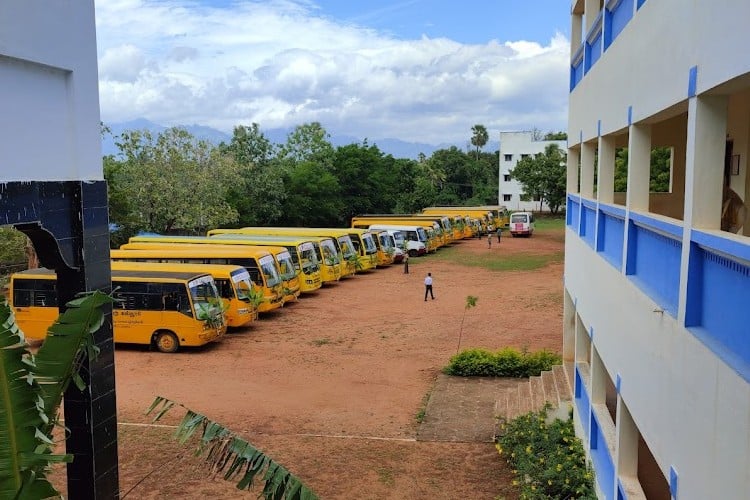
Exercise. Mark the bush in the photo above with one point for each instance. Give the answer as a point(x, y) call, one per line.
point(547, 459)
point(506, 362)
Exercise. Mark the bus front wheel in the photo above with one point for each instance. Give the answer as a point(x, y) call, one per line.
point(413, 253)
point(166, 341)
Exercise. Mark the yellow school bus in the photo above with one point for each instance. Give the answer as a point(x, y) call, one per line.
point(289, 276)
point(316, 252)
point(386, 249)
point(167, 310)
point(233, 283)
point(357, 249)
point(261, 265)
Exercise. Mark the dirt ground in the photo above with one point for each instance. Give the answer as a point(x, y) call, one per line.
point(331, 386)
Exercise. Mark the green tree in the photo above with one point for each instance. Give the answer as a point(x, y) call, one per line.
point(543, 176)
point(172, 182)
point(660, 174)
point(260, 194)
point(308, 142)
point(479, 137)
point(314, 197)
point(556, 136)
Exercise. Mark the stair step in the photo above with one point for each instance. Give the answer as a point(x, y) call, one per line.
point(550, 389)
point(561, 382)
point(525, 404)
point(537, 393)
point(512, 396)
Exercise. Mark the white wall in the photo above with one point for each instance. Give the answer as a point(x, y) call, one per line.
point(647, 65)
point(516, 144)
point(49, 103)
point(691, 408)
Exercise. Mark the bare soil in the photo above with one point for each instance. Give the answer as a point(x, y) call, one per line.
point(331, 386)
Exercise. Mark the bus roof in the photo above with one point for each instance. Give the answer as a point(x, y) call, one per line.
point(188, 250)
point(213, 269)
point(164, 276)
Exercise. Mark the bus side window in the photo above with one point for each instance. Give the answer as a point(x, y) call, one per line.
point(22, 298)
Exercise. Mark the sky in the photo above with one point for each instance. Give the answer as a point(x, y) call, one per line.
point(416, 70)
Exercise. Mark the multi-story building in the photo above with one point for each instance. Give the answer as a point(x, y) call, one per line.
point(515, 146)
point(657, 285)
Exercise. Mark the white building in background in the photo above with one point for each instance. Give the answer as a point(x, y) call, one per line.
point(657, 317)
point(513, 147)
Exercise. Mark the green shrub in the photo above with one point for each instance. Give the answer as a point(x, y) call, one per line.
point(506, 362)
point(547, 458)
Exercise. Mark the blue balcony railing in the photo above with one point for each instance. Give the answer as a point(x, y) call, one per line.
point(654, 256)
point(611, 234)
point(582, 401)
point(588, 222)
point(572, 212)
point(617, 15)
point(600, 455)
point(593, 49)
point(717, 298)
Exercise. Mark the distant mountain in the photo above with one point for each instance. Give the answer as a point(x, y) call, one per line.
point(395, 147)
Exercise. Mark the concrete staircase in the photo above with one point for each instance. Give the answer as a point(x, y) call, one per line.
point(531, 395)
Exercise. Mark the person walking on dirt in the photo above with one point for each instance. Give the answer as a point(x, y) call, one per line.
point(406, 263)
point(489, 240)
point(428, 287)
point(499, 233)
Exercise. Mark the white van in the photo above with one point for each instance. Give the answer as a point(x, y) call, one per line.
point(521, 224)
point(415, 237)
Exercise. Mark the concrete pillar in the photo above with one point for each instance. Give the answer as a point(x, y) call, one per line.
point(592, 10)
point(574, 158)
point(569, 328)
point(588, 153)
point(639, 167)
point(704, 161)
point(598, 379)
point(626, 442)
point(583, 342)
point(606, 164)
point(576, 31)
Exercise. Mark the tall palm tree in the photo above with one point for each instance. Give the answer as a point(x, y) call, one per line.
point(479, 137)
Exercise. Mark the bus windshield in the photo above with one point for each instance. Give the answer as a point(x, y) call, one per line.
point(422, 234)
point(369, 243)
point(205, 297)
point(398, 237)
point(286, 265)
point(347, 247)
point(268, 268)
point(329, 252)
point(243, 286)
point(307, 256)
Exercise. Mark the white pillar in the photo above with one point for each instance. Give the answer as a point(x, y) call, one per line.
point(574, 157)
point(588, 152)
point(576, 31)
point(639, 167)
point(626, 443)
point(704, 176)
point(704, 161)
point(569, 327)
point(598, 379)
point(606, 177)
point(591, 10)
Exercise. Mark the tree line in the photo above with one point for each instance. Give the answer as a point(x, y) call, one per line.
point(172, 181)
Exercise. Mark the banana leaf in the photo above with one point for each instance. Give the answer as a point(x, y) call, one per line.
point(232, 456)
point(31, 389)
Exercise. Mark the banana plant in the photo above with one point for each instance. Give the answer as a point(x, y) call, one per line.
point(231, 455)
point(31, 389)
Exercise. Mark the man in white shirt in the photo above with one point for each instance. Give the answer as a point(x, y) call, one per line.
point(428, 287)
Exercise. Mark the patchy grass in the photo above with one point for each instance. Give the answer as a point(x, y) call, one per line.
point(385, 475)
point(545, 223)
point(423, 407)
point(499, 261)
point(321, 342)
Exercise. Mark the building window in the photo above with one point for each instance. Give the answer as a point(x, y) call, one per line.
point(523, 157)
point(537, 197)
point(506, 197)
point(508, 157)
point(506, 177)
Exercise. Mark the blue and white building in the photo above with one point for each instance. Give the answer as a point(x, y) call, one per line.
point(515, 146)
point(657, 295)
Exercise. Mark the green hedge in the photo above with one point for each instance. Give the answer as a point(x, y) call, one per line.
point(506, 362)
point(547, 458)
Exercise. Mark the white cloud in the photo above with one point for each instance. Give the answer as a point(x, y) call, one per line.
point(280, 63)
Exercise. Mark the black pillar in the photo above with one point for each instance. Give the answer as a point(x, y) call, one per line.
point(68, 224)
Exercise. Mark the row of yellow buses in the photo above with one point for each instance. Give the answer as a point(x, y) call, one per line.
point(175, 291)
point(490, 217)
